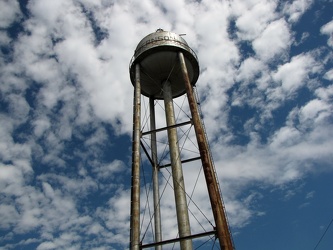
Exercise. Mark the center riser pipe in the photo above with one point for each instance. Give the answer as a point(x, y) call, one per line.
point(156, 192)
point(177, 171)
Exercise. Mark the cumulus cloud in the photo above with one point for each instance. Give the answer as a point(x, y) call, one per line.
point(292, 75)
point(295, 9)
point(327, 29)
point(273, 41)
point(10, 13)
point(249, 69)
point(252, 17)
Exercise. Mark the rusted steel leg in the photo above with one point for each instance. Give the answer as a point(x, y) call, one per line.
point(135, 185)
point(222, 228)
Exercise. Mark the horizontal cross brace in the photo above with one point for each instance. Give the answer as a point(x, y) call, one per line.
point(183, 161)
point(165, 128)
point(164, 242)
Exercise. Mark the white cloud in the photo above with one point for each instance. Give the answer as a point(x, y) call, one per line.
point(274, 41)
point(253, 17)
point(327, 29)
point(10, 12)
point(109, 171)
point(60, 17)
point(310, 195)
point(313, 109)
point(40, 126)
point(14, 152)
point(116, 218)
point(249, 69)
point(295, 74)
point(4, 39)
point(286, 137)
point(47, 245)
point(305, 36)
point(290, 152)
point(325, 93)
point(284, 159)
point(8, 215)
point(11, 176)
point(18, 107)
point(295, 9)
point(329, 75)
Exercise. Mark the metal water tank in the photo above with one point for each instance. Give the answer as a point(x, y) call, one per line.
point(157, 54)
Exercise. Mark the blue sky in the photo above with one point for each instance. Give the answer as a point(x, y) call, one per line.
point(265, 85)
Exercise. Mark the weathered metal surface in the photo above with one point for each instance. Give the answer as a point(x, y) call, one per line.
point(165, 128)
point(222, 228)
point(157, 55)
point(164, 67)
point(183, 161)
point(156, 192)
point(158, 38)
point(177, 171)
point(135, 183)
point(193, 236)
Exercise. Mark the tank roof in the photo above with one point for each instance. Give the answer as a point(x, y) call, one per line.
point(157, 54)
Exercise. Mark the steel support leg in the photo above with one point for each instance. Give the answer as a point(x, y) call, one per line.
point(222, 228)
point(135, 184)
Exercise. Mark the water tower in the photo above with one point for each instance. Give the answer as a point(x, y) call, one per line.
point(165, 67)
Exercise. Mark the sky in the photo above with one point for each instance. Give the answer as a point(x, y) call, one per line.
point(266, 96)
